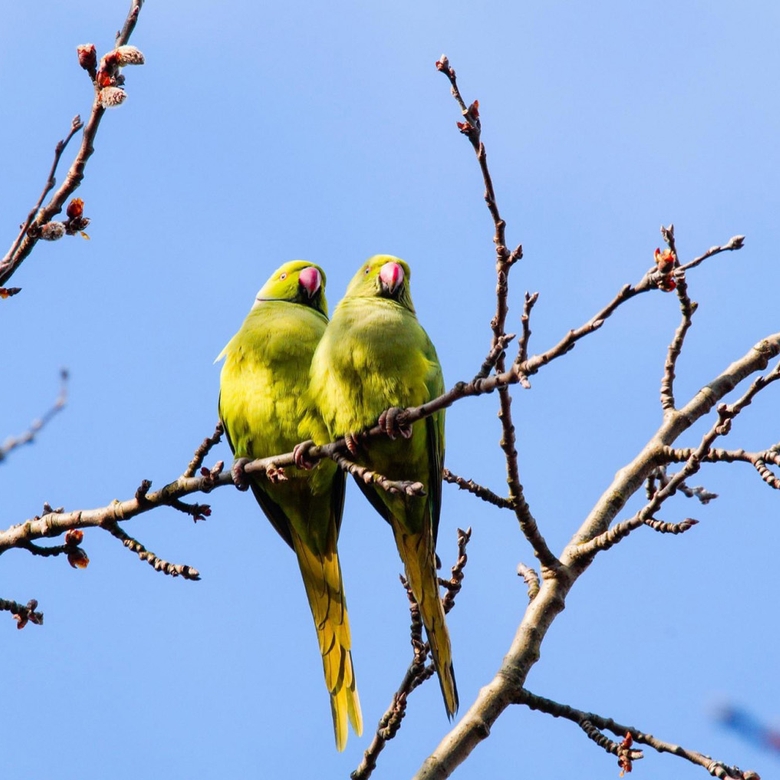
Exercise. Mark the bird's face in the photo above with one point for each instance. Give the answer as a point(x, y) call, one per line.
point(382, 276)
point(296, 282)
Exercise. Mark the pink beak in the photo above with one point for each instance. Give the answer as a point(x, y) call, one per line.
point(391, 275)
point(310, 279)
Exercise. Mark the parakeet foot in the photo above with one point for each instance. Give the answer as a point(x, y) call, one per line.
point(300, 453)
point(238, 474)
point(351, 440)
point(388, 421)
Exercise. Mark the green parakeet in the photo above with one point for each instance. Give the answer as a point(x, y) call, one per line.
point(375, 355)
point(263, 407)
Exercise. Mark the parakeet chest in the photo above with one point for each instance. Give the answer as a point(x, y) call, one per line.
point(265, 372)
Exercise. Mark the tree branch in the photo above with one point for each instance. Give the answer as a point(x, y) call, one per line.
point(588, 719)
point(36, 425)
point(524, 651)
point(31, 230)
point(478, 490)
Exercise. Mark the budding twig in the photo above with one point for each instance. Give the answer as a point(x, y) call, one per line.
point(478, 490)
point(157, 563)
point(33, 229)
point(23, 614)
point(593, 725)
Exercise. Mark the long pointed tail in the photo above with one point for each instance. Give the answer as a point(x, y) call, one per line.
point(419, 559)
point(325, 591)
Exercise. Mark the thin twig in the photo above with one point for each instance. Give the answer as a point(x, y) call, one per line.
point(737, 242)
point(584, 719)
point(370, 477)
point(23, 613)
point(29, 435)
point(497, 351)
point(472, 129)
point(478, 490)
point(21, 249)
point(203, 450)
point(528, 304)
point(531, 579)
point(157, 563)
point(75, 125)
point(687, 308)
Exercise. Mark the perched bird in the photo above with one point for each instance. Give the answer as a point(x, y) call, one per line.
point(375, 355)
point(263, 407)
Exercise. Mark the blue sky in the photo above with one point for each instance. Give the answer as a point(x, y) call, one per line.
point(257, 134)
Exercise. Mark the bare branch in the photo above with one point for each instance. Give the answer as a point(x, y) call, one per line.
point(203, 450)
point(588, 720)
point(472, 129)
point(31, 233)
point(453, 584)
point(522, 351)
point(29, 435)
point(687, 307)
point(737, 242)
point(497, 351)
point(645, 516)
point(369, 477)
point(494, 697)
point(172, 569)
point(75, 125)
point(531, 579)
point(23, 614)
point(478, 490)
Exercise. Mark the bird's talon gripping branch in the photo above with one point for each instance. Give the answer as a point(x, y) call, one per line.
point(238, 474)
point(388, 421)
point(275, 474)
point(351, 440)
point(300, 454)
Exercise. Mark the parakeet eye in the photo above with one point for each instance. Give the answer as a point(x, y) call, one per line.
point(283, 276)
point(368, 268)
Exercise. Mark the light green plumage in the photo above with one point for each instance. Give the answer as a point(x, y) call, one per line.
point(264, 409)
point(375, 355)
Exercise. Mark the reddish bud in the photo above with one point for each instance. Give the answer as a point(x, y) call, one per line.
point(77, 558)
point(77, 225)
point(110, 60)
point(74, 537)
point(7, 292)
point(664, 260)
point(87, 57)
point(75, 208)
point(474, 109)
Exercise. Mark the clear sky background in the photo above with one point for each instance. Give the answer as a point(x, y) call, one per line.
point(258, 133)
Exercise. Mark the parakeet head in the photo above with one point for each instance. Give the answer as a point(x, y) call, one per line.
point(382, 276)
point(296, 282)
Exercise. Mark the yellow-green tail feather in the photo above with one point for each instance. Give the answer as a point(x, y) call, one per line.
point(419, 559)
point(325, 591)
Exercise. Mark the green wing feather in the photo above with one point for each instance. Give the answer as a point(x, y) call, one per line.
point(265, 409)
point(375, 355)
